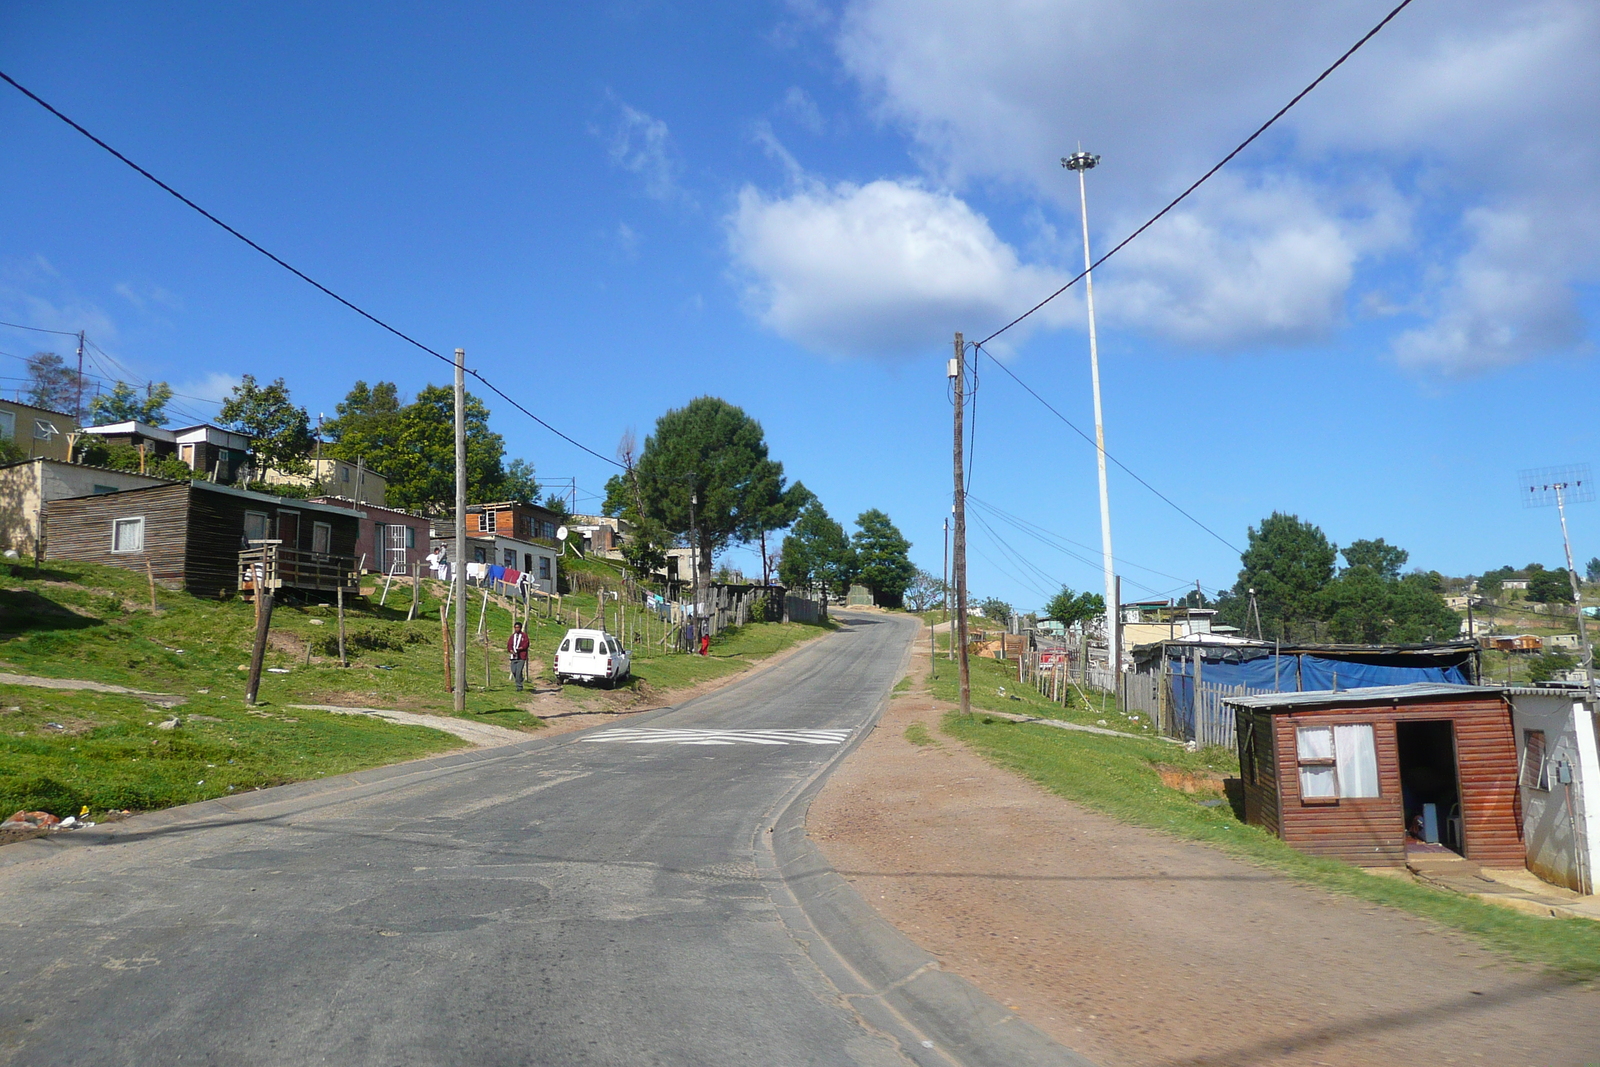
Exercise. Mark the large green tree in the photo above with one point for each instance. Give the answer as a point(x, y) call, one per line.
point(279, 429)
point(1379, 557)
point(1546, 587)
point(367, 424)
point(123, 404)
point(413, 447)
point(1067, 607)
point(420, 466)
point(711, 457)
point(51, 383)
point(883, 557)
point(817, 554)
point(1287, 563)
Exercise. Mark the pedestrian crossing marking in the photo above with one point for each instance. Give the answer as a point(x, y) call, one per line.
point(644, 735)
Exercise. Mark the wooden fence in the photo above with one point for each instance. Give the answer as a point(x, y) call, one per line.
point(275, 567)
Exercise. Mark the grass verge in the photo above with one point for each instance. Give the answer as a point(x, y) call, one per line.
point(1122, 777)
point(95, 623)
point(995, 688)
point(62, 751)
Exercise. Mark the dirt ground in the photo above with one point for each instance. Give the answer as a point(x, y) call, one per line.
point(1135, 948)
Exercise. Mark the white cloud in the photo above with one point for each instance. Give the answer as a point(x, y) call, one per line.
point(1485, 115)
point(883, 269)
point(642, 144)
point(803, 110)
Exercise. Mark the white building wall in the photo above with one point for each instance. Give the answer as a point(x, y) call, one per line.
point(1561, 825)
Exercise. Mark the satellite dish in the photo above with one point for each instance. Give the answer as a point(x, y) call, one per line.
point(561, 533)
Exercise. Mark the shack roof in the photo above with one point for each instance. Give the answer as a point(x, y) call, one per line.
point(1377, 694)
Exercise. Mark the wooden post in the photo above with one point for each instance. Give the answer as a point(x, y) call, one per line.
point(259, 650)
point(485, 662)
point(150, 573)
point(339, 594)
point(416, 590)
point(444, 632)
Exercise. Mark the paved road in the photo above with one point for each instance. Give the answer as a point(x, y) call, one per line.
point(597, 898)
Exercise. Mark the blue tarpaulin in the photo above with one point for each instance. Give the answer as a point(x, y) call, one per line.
point(1263, 671)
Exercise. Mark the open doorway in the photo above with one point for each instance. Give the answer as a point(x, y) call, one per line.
point(1429, 788)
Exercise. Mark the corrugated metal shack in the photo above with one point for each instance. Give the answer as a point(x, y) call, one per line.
point(191, 536)
point(1364, 775)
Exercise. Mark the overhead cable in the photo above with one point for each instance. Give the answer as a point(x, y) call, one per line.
point(1128, 470)
point(1181, 197)
point(302, 275)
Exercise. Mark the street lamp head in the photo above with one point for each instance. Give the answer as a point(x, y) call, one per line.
point(1080, 161)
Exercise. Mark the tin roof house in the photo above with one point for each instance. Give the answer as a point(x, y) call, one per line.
point(204, 538)
point(1373, 775)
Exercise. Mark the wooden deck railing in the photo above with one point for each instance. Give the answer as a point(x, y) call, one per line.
point(271, 566)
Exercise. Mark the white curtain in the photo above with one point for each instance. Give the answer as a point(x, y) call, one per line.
point(1314, 742)
point(1357, 757)
point(1319, 782)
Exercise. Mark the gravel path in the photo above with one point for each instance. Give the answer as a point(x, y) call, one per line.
point(1137, 948)
point(482, 734)
point(164, 699)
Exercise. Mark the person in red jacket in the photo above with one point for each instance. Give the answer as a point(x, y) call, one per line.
point(517, 649)
point(705, 644)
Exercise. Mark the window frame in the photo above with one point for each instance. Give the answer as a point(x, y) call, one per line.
point(116, 526)
point(266, 525)
point(1332, 760)
point(544, 568)
point(324, 530)
point(8, 423)
point(1541, 774)
point(411, 537)
point(48, 428)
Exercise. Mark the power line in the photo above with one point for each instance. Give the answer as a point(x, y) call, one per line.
point(302, 275)
point(1284, 110)
point(35, 329)
point(1049, 537)
point(1126, 469)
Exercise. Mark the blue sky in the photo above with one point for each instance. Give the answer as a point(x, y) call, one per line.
point(1375, 318)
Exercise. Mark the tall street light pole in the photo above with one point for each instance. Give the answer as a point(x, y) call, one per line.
point(460, 695)
point(1081, 161)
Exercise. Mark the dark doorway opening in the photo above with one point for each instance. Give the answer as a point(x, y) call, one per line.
point(1429, 788)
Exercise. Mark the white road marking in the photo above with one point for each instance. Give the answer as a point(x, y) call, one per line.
point(649, 736)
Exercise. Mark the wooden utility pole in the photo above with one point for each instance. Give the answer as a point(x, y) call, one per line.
point(77, 411)
point(461, 532)
point(259, 650)
point(958, 375)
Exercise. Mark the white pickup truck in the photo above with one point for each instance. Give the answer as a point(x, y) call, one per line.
point(592, 655)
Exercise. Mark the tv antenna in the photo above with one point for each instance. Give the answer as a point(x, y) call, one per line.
point(1561, 486)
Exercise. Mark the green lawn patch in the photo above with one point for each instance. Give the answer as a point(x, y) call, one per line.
point(91, 622)
point(1122, 777)
point(917, 733)
point(995, 688)
point(63, 750)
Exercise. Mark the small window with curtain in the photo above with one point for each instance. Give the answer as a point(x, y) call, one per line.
point(411, 537)
point(544, 568)
point(1336, 762)
point(127, 535)
point(1534, 774)
point(509, 558)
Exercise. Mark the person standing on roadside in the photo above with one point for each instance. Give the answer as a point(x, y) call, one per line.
point(517, 648)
